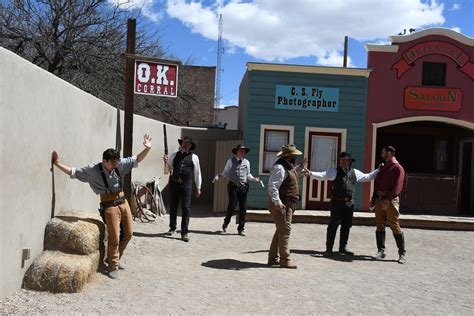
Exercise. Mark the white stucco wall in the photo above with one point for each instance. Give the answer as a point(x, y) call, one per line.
point(40, 113)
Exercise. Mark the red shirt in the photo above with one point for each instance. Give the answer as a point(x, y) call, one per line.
point(390, 179)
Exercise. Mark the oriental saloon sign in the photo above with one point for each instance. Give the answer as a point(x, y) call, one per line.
point(434, 48)
point(157, 79)
point(307, 98)
point(433, 99)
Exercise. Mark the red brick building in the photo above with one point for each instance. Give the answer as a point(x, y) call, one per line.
point(421, 101)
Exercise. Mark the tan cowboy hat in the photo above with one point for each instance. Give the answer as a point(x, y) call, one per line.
point(289, 150)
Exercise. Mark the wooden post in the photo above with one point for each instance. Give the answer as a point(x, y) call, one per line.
point(128, 122)
point(346, 44)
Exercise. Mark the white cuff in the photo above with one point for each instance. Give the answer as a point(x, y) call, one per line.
point(73, 173)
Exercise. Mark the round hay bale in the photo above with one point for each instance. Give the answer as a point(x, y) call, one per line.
point(73, 233)
point(55, 271)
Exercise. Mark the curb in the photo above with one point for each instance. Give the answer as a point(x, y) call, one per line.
point(367, 219)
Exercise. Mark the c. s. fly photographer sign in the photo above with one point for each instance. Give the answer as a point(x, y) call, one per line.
point(306, 98)
point(158, 79)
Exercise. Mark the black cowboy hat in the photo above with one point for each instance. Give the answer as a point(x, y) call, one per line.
point(187, 140)
point(234, 150)
point(346, 155)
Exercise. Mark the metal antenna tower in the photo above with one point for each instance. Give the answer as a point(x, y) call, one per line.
point(220, 51)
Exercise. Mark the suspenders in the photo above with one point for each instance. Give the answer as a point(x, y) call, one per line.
point(104, 178)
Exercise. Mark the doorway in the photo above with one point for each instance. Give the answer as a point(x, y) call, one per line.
point(323, 148)
point(431, 153)
point(466, 197)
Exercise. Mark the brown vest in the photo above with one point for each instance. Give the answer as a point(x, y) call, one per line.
point(289, 190)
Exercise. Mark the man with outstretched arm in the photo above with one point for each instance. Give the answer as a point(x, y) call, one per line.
point(106, 179)
point(283, 191)
point(237, 170)
point(388, 187)
point(184, 167)
point(344, 180)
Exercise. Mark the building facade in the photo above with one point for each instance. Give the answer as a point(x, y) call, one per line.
point(319, 109)
point(421, 101)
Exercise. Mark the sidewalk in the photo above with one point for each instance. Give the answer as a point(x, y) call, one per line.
point(368, 219)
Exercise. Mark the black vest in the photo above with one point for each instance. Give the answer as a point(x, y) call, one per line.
point(344, 184)
point(183, 166)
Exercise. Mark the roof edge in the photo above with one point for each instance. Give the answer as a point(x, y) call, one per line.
point(360, 72)
point(433, 31)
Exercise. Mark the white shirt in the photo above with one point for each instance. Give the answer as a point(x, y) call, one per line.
point(197, 168)
point(331, 174)
point(278, 174)
point(228, 166)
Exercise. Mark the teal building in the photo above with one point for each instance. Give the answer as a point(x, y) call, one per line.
point(322, 110)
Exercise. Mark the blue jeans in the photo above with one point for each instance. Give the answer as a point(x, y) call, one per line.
point(180, 192)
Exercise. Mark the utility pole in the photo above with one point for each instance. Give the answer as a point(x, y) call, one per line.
point(129, 96)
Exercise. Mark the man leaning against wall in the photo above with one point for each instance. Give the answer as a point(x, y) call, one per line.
point(106, 179)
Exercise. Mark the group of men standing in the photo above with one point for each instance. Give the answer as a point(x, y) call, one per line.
point(105, 179)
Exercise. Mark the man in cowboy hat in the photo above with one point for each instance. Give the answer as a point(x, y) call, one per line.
point(184, 166)
point(344, 180)
point(388, 186)
point(237, 169)
point(283, 193)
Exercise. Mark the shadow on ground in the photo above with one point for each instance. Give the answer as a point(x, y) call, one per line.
point(157, 235)
point(336, 255)
point(231, 264)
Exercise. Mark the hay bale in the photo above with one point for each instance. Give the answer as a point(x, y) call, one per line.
point(75, 232)
point(56, 271)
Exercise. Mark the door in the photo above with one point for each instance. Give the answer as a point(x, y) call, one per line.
point(323, 150)
point(467, 177)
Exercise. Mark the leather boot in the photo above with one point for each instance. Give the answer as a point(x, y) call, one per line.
point(380, 237)
point(400, 240)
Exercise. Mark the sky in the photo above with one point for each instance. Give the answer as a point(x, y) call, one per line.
point(305, 32)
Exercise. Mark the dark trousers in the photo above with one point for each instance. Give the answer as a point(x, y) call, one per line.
point(180, 192)
point(341, 214)
point(236, 194)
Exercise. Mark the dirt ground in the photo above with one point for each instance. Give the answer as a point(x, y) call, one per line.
point(226, 274)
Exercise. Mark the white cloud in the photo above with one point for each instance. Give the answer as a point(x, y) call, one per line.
point(230, 48)
point(145, 6)
point(456, 29)
point(334, 58)
point(455, 7)
point(281, 29)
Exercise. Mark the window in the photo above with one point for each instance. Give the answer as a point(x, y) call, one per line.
point(434, 74)
point(323, 152)
point(272, 138)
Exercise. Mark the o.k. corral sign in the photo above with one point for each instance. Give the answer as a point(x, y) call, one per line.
point(155, 78)
point(306, 98)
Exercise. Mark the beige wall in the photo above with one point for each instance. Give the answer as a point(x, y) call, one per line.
point(228, 115)
point(38, 113)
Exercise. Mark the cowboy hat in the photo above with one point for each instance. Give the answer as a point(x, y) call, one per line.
point(347, 156)
point(187, 140)
point(234, 150)
point(289, 150)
